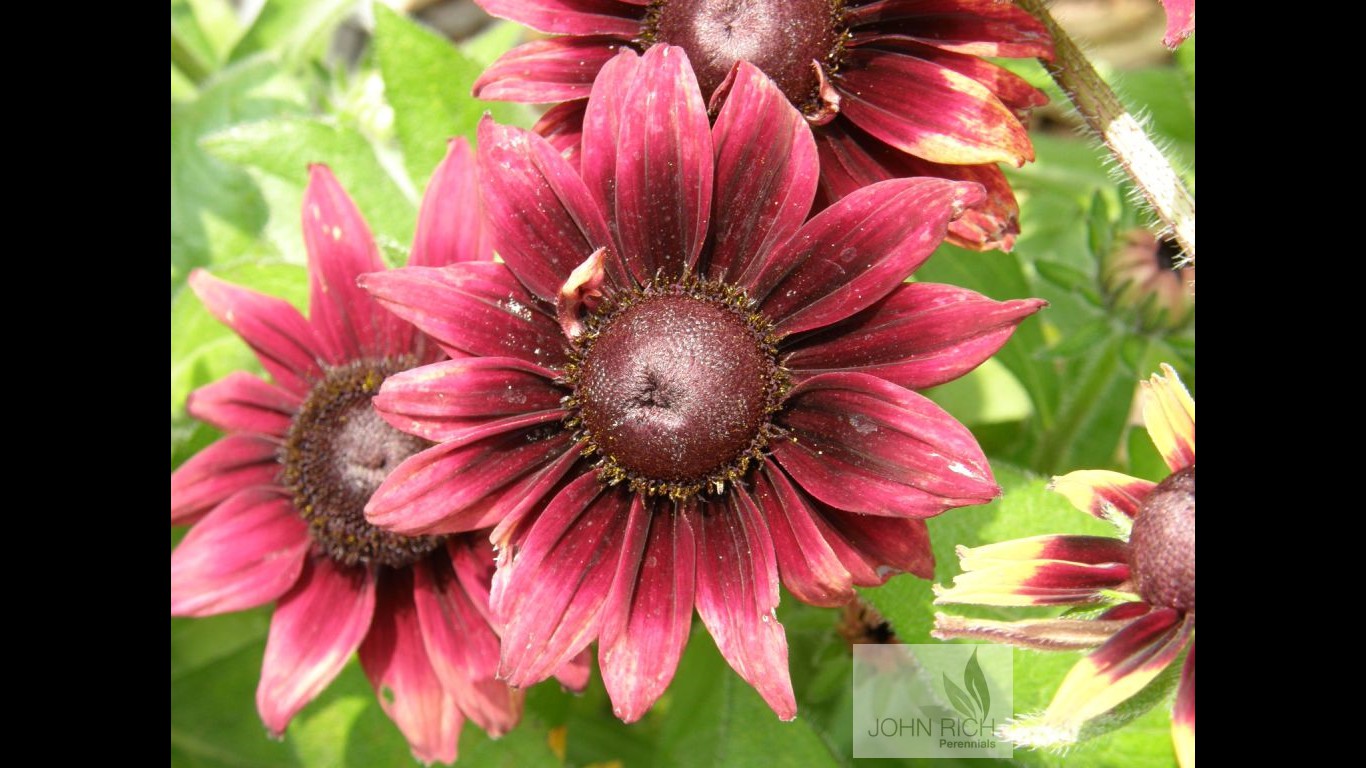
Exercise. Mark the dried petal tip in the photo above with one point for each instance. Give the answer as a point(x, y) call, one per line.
point(580, 293)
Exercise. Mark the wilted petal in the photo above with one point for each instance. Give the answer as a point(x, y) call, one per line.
point(809, 568)
point(1119, 669)
point(862, 444)
point(922, 335)
point(394, 657)
point(442, 401)
point(447, 488)
point(246, 552)
point(851, 160)
point(1183, 714)
point(1034, 634)
point(571, 17)
point(461, 645)
point(929, 110)
point(281, 338)
point(662, 166)
point(737, 594)
point(856, 251)
point(450, 226)
point(340, 249)
point(316, 627)
point(241, 402)
point(975, 27)
point(232, 464)
point(649, 608)
point(543, 219)
point(766, 173)
point(1107, 495)
point(558, 579)
point(474, 308)
point(546, 71)
point(1169, 413)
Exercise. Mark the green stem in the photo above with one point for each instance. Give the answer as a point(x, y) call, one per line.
point(1102, 110)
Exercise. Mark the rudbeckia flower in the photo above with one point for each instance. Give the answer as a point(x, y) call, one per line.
point(1145, 582)
point(277, 504)
point(673, 391)
point(892, 88)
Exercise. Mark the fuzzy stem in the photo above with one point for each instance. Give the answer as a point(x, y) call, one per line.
point(1164, 190)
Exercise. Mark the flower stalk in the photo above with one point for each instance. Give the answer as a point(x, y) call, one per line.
point(1121, 131)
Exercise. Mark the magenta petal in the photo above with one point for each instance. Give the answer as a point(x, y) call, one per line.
point(234, 463)
point(810, 569)
point(1180, 25)
point(241, 402)
point(973, 27)
point(571, 17)
point(283, 340)
point(546, 71)
point(394, 657)
point(316, 627)
point(851, 160)
point(543, 219)
point(562, 126)
point(663, 167)
point(1013, 91)
point(474, 308)
point(599, 130)
point(446, 488)
point(929, 110)
point(862, 444)
point(764, 154)
point(246, 552)
point(875, 548)
point(557, 580)
point(340, 249)
point(574, 674)
point(439, 402)
point(649, 608)
point(737, 594)
point(450, 227)
point(856, 251)
point(922, 335)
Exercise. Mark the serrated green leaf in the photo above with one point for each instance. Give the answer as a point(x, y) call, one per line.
point(976, 682)
point(427, 81)
point(285, 148)
point(297, 29)
point(216, 210)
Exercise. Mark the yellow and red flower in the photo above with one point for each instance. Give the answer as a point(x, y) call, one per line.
point(1145, 581)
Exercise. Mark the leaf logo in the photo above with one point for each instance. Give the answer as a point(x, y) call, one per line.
point(974, 702)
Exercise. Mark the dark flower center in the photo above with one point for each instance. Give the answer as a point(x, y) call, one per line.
point(337, 453)
point(780, 37)
point(1163, 543)
point(674, 385)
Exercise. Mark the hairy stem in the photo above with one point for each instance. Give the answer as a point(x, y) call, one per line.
point(1164, 190)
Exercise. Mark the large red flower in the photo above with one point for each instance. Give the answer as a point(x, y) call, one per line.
point(893, 88)
point(277, 504)
point(674, 391)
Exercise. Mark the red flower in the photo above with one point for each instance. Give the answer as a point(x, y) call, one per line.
point(277, 504)
point(893, 88)
point(673, 391)
point(1146, 584)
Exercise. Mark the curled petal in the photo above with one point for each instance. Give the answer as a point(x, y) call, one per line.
point(921, 336)
point(1169, 413)
point(316, 627)
point(247, 552)
point(1034, 634)
point(862, 444)
point(450, 226)
point(394, 657)
point(737, 594)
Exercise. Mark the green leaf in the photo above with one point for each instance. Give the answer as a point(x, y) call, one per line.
point(217, 212)
point(990, 394)
point(297, 29)
point(190, 48)
point(285, 148)
point(495, 40)
point(427, 81)
point(959, 699)
point(976, 682)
